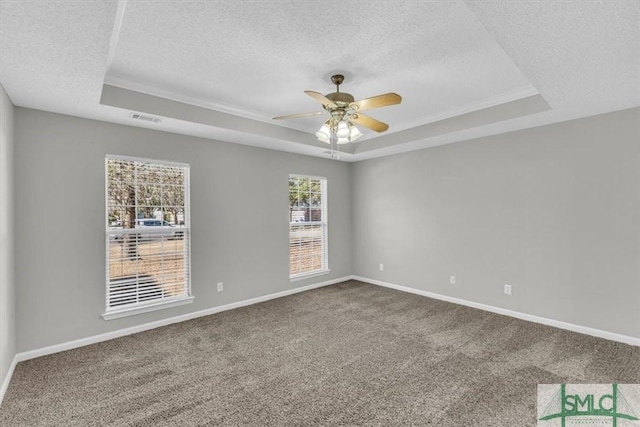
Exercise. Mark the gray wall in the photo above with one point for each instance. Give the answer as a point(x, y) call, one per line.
point(7, 284)
point(553, 211)
point(239, 216)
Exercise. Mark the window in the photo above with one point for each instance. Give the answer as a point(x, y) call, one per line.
point(147, 235)
point(307, 226)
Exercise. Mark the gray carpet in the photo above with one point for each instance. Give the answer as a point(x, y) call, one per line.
point(348, 354)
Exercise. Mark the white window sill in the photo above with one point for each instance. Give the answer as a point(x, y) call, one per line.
point(132, 311)
point(309, 275)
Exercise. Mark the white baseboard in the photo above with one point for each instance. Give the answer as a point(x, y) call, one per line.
point(32, 354)
point(7, 378)
point(529, 317)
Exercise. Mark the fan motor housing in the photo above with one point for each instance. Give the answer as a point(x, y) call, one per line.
point(336, 97)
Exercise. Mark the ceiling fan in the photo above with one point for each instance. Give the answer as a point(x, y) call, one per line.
point(345, 112)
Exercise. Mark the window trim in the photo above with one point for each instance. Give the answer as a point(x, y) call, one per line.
point(308, 275)
point(324, 182)
point(146, 307)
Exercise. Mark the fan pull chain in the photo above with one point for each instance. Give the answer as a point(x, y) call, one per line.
point(333, 139)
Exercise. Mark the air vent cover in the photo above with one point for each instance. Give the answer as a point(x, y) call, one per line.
point(145, 117)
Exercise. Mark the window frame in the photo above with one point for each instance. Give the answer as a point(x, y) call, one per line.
point(151, 305)
point(324, 223)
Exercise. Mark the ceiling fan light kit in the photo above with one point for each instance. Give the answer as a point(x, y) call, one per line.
point(344, 134)
point(341, 127)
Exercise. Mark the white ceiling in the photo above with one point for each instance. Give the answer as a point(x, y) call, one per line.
point(222, 69)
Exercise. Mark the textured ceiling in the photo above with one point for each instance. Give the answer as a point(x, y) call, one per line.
point(257, 60)
point(222, 69)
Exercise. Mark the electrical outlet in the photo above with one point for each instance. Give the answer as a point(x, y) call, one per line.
point(507, 289)
point(220, 287)
point(452, 280)
point(381, 267)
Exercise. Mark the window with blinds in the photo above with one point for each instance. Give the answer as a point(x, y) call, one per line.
point(147, 234)
point(307, 226)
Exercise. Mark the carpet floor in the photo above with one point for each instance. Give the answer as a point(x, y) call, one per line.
point(347, 354)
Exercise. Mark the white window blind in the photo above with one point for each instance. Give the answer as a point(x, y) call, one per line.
point(147, 233)
point(307, 226)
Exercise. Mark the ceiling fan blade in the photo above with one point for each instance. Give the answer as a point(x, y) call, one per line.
point(369, 122)
point(321, 98)
point(376, 102)
point(295, 116)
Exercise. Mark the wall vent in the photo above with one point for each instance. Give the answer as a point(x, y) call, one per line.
point(144, 117)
